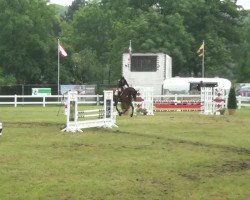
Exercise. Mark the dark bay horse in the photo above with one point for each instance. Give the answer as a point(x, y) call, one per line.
point(127, 97)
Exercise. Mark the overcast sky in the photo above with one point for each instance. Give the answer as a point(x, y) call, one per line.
point(244, 3)
point(62, 2)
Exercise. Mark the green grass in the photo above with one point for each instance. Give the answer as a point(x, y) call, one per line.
point(167, 156)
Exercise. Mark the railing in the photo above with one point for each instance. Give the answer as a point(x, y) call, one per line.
point(16, 100)
point(46, 100)
point(176, 97)
point(243, 101)
point(179, 98)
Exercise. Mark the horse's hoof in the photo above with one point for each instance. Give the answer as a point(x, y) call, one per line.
point(120, 114)
point(131, 115)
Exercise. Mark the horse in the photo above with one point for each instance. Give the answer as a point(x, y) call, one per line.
point(126, 98)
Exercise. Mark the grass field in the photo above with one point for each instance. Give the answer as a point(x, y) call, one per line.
point(167, 156)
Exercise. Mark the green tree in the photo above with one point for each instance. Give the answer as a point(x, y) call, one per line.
point(177, 27)
point(6, 79)
point(150, 31)
point(73, 8)
point(87, 69)
point(27, 42)
point(219, 24)
point(102, 30)
point(232, 100)
point(92, 29)
point(243, 54)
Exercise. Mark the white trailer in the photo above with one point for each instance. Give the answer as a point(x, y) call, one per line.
point(182, 85)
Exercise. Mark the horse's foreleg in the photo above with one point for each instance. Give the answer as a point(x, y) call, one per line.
point(116, 107)
point(119, 112)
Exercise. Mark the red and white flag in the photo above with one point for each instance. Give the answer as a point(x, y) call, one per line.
point(62, 51)
point(129, 51)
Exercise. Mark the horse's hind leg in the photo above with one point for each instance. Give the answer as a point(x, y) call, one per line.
point(125, 111)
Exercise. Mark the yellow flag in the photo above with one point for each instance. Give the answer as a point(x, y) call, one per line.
point(201, 50)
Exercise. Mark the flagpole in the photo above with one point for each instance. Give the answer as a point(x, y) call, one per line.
point(58, 67)
point(203, 60)
point(130, 47)
point(130, 53)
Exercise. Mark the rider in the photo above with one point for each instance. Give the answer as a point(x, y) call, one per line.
point(121, 85)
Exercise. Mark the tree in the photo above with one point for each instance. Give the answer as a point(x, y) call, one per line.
point(6, 79)
point(86, 67)
point(219, 24)
point(92, 30)
point(102, 30)
point(27, 42)
point(177, 27)
point(243, 54)
point(73, 8)
point(232, 101)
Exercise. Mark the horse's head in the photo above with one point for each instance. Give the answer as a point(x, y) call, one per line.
point(134, 94)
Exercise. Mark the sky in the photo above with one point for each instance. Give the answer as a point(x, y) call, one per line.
point(244, 3)
point(64, 2)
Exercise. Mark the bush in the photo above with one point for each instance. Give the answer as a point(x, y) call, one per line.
point(232, 101)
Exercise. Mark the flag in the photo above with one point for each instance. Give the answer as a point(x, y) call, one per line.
point(62, 51)
point(201, 50)
point(129, 51)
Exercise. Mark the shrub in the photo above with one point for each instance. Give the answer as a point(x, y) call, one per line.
point(232, 101)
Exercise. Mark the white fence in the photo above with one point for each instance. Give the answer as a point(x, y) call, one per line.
point(47, 100)
point(16, 100)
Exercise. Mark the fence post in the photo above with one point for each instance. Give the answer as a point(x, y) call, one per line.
point(15, 100)
point(97, 100)
point(44, 101)
point(239, 101)
point(175, 99)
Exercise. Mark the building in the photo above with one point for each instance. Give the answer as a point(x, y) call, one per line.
point(147, 70)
